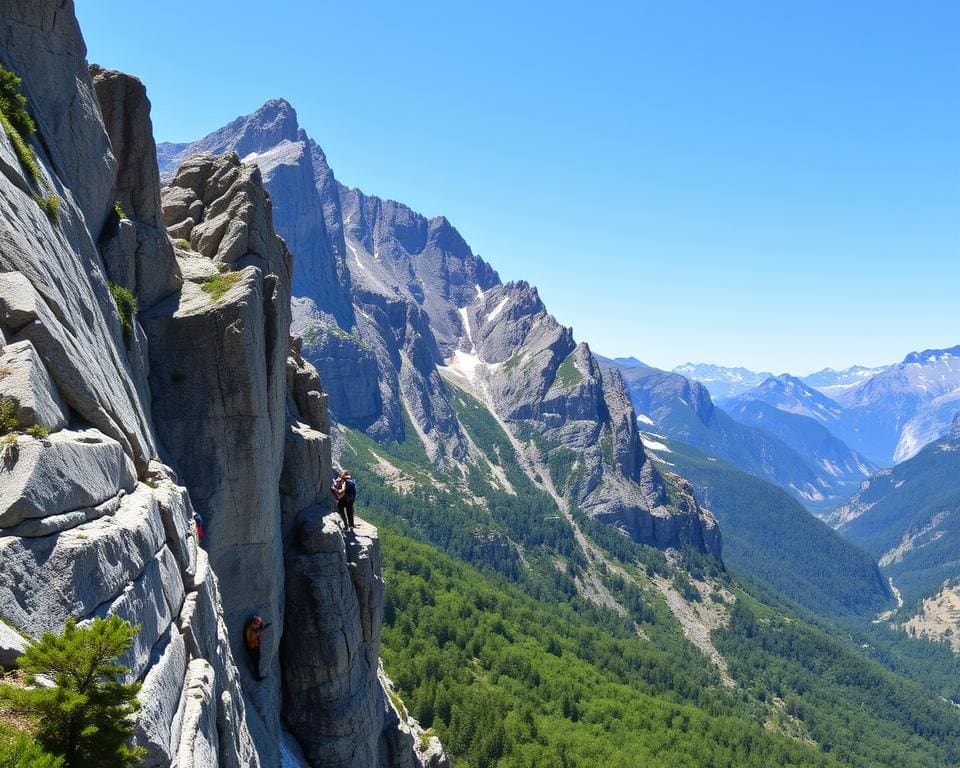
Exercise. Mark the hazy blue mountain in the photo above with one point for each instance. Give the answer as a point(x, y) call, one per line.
point(832, 383)
point(630, 362)
point(808, 437)
point(894, 414)
point(816, 470)
point(789, 394)
point(722, 381)
point(886, 414)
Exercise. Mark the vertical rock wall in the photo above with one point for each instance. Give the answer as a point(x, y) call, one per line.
point(198, 401)
point(90, 522)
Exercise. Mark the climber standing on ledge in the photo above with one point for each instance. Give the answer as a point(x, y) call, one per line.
point(345, 489)
point(251, 638)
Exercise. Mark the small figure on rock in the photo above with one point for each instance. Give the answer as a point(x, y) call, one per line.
point(345, 489)
point(252, 634)
point(198, 522)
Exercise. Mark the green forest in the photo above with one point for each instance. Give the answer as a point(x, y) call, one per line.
point(492, 647)
point(506, 680)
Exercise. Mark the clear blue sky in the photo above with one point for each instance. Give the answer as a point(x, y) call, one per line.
point(769, 184)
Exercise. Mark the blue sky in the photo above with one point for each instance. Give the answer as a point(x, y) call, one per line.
point(775, 185)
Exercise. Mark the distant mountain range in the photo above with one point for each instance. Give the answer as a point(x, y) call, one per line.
point(721, 381)
point(833, 383)
point(887, 413)
point(789, 394)
point(791, 450)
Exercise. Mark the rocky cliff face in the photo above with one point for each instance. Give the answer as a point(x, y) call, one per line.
point(200, 401)
point(429, 314)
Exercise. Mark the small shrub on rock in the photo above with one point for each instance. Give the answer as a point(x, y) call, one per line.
point(126, 306)
point(17, 123)
point(50, 205)
point(8, 417)
point(20, 750)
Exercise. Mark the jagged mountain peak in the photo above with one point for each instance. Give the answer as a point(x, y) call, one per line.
point(273, 122)
point(932, 356)
point(954, 432)
point(788, 384)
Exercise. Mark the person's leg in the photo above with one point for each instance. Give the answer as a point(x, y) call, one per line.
point(350, 512)
point(255, 662)
point(341, 510)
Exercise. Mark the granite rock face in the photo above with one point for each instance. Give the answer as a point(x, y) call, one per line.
point(24, 382)
point(41, 42)
point(203, 403)
point(250, 428)
point(218, 376)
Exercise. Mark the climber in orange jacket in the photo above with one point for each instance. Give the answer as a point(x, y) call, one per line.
point(251, 637)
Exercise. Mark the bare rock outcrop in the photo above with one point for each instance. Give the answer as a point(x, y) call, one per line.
point(343, 716)
point(144, 263)
point(200, 402)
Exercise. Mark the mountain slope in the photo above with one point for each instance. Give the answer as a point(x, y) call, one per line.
point(772, 538)
point(819, 447)
point(909, 518)
point(506, 680)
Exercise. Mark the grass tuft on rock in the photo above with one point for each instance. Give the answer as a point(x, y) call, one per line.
point(218, 285)
point(126, 306)
point(17, 123)
point(50, 205)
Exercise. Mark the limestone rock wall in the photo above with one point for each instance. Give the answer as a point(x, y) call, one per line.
point(91, 522)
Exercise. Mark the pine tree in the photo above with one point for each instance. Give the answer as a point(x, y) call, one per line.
point(86, 715)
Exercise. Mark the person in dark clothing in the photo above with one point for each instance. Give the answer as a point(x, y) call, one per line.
point(252, 635)
point(345, 489)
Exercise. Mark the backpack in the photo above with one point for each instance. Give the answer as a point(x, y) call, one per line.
point(350, 488)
